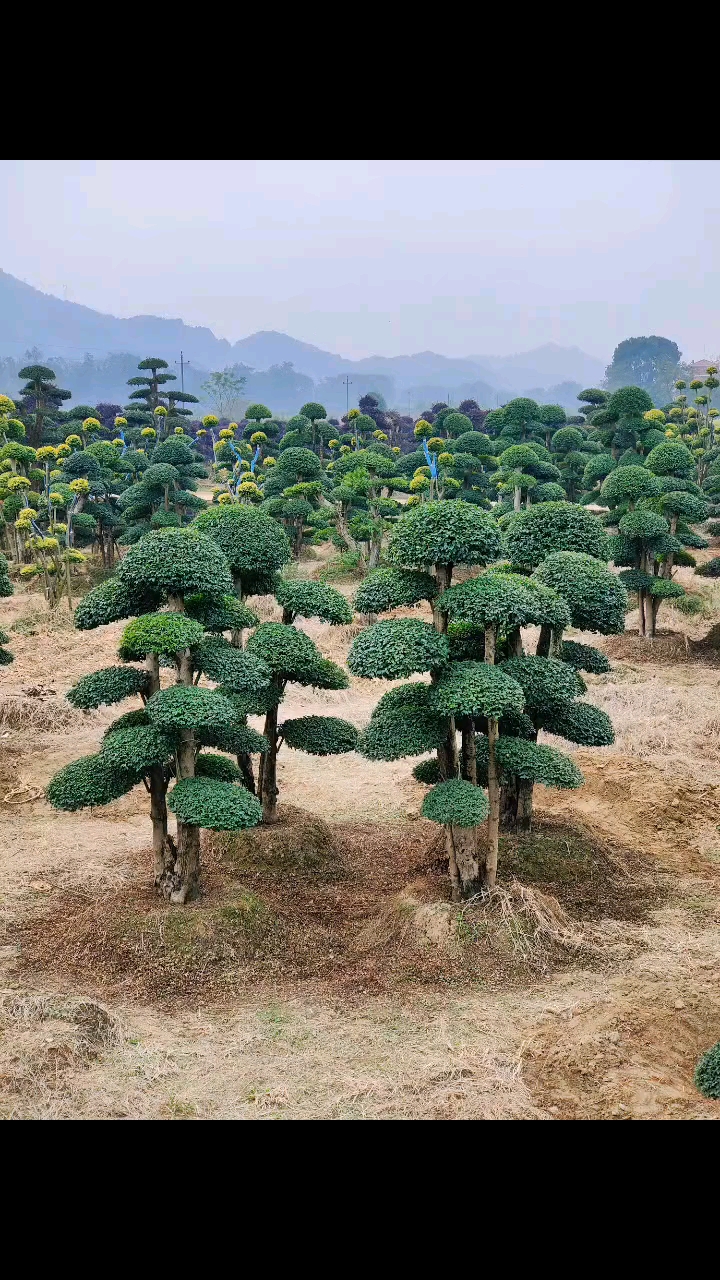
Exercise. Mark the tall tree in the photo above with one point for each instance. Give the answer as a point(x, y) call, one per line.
point(42, 397)
point(652, 363)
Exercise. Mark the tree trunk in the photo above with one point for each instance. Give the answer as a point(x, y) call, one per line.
point(509, 804)
point(544, 642)
point(180, 880)
point(526, 789)
point(670, 560)
point(443, 577)
point(465, 847)
point(452, 865)
point(491, 858)
point(245, 766)
point(517, 499)
point(269, 790)
point(469, 759)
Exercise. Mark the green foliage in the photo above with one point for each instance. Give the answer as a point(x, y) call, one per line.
point(545, 527)
point(215, 805)
point(631, 401)
point(670, 459)
point(665, 588)
point(107, 686)
point(393, 649)
point(111, 601)
point(504, 601)
point(475, 689)
point(711, 568)
point(643, 525)
point(388, 588)
point(258, 412)
point(6, 586)
point(210, 765)
point(628, 484)
point(537, 763)
point(707, 1073)
point(546, 682)
point(428, 771)
point(92, 780)
point(236, 669)
point(176, 562)
point(444, 533)
point(466, 641)
point(254, 544)
point(402, 724)
point(236, 737)
point(313, 600)
point(289, 653)
point(596, 598)
point(129, 721)
point(320, 735)
point(163, 633)
point(224, 614)
point(579, 722)
point(455, 803)
point(456, 425)
point(583, 657)
point(135, 750)
point(180, 707)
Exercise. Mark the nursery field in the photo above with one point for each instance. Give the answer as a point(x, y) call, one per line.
point(324, 972)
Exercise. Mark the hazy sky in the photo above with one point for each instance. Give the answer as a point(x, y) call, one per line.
point(380, 256)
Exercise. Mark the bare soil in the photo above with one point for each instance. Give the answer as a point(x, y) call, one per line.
point(343, 984)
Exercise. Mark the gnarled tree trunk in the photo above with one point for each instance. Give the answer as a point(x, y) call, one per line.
point(268, 768)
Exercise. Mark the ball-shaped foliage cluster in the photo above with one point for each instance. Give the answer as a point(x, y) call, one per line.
point(546, 682)
point(475, 689)
point(236, 737)
point(665, 589)
point(180, 707)
point(711, 568)
point(402, 724)
point(136, 750)
point(633, 401)
point(456, 424)
point(444, 533)
point(537, 763)
point(211, 765)
point(533, 534)
point(579, 722)
point(218, 806)
point(596, 598)
point(226, 613)
point(314, 600)
point(320, 735)
point(455, 803)
point(252, 542)
point(428, 772)
point(583, 657)
point(160, 475)
point(289, 653)
point(628, 484)
point(111, 601)
point(504, 601)
point(388, 588)
point(707, 1073)
point(165, 634)
point(92, 780)
point(130, 720)
point(670, 459)
point(643, 526)
point(234, 668)
point(393, 649)
point(107, 686)
point(176, 562)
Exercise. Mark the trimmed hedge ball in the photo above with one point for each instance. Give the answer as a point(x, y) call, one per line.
point(428, 772)
point(320, 735)
point(314, 600)
point(475, 689)
point(104, 687)
point(393, 649)
point(130, 720)
point(234, 668)
point(387, 588)
point(111, 601)
point(237, 739)
point(546, 682)
point(579, 722)
point(162, 633)
point(180, 707)
point(554, 526)
point(137, 749)
point(596, 598)
point(176, 562)
point(252, 541)
point(226, 614)
point(402, 724)
point(210, 765)
point(215, 805)
point(455, 803)
point(444, 533)
point(584, 657)
point(537, 763)
point(92, 780)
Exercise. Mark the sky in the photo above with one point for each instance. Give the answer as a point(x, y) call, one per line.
point(380, 257)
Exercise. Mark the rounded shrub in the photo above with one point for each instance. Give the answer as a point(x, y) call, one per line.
point(583, 657)
point(428, 772)
point(92, 780)
point(289, 653)
point(320, 735)
point(180, 707)
point(224, 614)
point(215, 805)
point(135, 750)
point(176, 562)
point(236, 669)
point(389, 588)
point(254, 544)
point(314, 600)
point(546, 682)
point(162, 633)
point(545, 527)
point(455, 803)
point(210, 765)
point(537, 763)
point(508, 600)
point(579, 722)
point(628, 484)
point(403, 724)
point(444, 533)
point(475, 689)
point(109, 685)
point(393, 649)
point(129, 721)
point(596, 598)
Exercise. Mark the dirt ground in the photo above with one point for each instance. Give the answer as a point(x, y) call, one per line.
point(358, 1001)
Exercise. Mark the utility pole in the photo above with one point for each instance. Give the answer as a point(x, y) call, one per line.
point(348, 385)
point(184, 364)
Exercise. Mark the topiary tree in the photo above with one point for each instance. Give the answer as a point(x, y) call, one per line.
point(597, 599)
point(533, 534)
point(254, 545)
point(643, 539)
point(438, 536)
point(291, 656)
point(164, 740)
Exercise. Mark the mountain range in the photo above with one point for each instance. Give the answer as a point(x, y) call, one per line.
point(88, 344)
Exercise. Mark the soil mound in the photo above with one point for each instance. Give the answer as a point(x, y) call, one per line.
point(298, 841)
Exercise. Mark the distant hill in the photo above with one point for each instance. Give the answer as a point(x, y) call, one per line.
point(278, 367)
